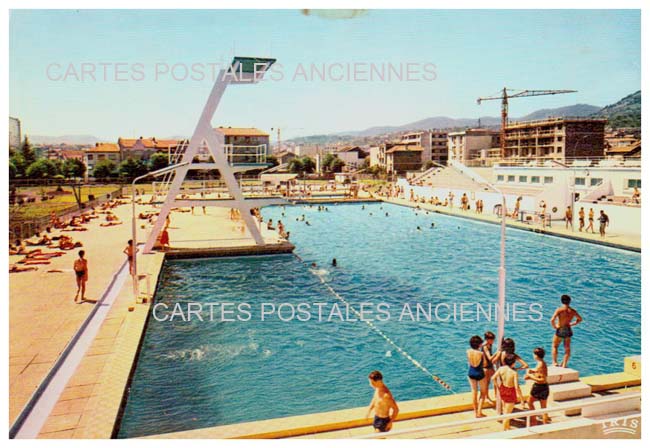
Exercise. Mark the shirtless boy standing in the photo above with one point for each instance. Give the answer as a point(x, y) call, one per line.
point(382, 403)
point(564, 316)
point(540, 390)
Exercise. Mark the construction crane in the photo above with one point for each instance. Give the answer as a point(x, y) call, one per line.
point(505, 95)
point(279, 141)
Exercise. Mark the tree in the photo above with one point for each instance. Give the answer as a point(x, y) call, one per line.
point(12, 170)
point(377, 171)
point(158, 161)
point(104, 169)
point(332, 163)
point(42, 169)
point(308, 165)
point(73, 168)
point(18, 161)
point(131, 168)
point(27, 152)
point(295, 165)
point(336, 165)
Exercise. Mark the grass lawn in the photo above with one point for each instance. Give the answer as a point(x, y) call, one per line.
point(60, 201)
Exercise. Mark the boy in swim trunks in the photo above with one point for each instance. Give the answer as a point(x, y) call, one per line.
point(382, 403)
point(507, 380)
point(80, 267)
point(540, 389)
point(564, 316)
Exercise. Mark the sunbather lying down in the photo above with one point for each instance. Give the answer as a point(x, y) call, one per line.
point(16, 268)
point(110, 223)
point(66, 243)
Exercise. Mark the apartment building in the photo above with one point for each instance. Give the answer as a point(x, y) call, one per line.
point(556, 138)
point(463, 146)
point(433, 143)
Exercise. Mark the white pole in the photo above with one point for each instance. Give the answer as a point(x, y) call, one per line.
point(501, 321)
point(134, 246)
point(134, 237)
point(502, 277)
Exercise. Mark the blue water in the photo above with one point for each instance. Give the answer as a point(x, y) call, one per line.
point(204, 373)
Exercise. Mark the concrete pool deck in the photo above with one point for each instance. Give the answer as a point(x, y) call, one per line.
point(43, 318)
point(619, 241)
point(90, 404)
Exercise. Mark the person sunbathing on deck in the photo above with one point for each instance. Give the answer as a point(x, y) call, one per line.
point(16, 268)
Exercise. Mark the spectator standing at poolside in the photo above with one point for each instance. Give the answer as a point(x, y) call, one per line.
point(636, 196)
point(591, 221)
point(464, 201)
point(515, 213)
point(508, 348)
point(164, 238)
point(581, 218)
point(539, 391)
point(382, 403)
point(80, 267)
point(129, 251)
point(604, 222)
point(488, 365)
point(507, 380)
point(568, 217)
point(476, 375)
point(564, 316)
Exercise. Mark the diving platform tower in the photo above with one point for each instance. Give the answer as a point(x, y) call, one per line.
point(243, 70)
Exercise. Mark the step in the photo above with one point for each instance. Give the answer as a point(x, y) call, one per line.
point(631, 404)
point(633, 365)
point(579, 402)
point(557, 375)
point(569, 391)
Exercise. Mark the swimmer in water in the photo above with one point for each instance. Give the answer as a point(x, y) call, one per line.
point(386, 213)
point(433, 224)
point(307, 222)
point(419, 229)
point(334, 262)
point(314, 266)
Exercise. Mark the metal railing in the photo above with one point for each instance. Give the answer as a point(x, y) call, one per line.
point(244, 154)
point(575, 162)
point(27, 228)
point(498, 418)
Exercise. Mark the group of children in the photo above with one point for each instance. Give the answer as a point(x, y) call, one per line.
point(482, 363)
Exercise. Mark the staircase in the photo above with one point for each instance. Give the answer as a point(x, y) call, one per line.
point(447, 177)
point(161, 188)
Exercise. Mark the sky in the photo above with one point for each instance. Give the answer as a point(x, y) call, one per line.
point(128, 88)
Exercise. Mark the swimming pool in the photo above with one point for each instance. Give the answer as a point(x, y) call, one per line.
point(197, 374)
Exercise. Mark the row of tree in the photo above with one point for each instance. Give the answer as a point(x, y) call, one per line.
point(304, 165)
point(24, 163)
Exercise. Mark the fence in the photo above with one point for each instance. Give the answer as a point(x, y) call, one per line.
point(25, 228)
point(631, 400)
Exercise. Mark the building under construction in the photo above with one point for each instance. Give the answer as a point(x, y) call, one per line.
point(555, 138)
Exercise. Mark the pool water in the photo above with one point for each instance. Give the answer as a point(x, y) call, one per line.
point(197, 374)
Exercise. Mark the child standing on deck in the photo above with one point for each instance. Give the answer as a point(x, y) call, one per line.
point(382, 403)
point(507, 380)
point(80, 267)
point(539, 391)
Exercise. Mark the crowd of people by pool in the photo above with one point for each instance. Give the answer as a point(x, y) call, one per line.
point(496, 369)
point(542, 216)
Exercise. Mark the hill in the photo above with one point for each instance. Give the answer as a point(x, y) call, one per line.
point(624, 113)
